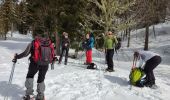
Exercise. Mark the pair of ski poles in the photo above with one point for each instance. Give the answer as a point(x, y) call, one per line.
point(10, 79)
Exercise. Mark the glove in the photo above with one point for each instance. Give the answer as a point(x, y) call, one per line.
point(15, 58)
point(141, 68)
point(55, 58)
point(66, 45)
point(133, 67)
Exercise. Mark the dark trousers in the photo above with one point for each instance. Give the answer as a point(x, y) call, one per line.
point(66, 50)
point(34, 68)
point(149, 67)
point(109, 58)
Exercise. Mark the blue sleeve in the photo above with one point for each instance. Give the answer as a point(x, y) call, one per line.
point(91, 42)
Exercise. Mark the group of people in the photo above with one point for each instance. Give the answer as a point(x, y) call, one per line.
point(42, 54)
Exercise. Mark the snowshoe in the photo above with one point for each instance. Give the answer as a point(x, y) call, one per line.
point(153, 86)
point(86, 63)
point(40, 97)
point(109, 70)
point(28, 97)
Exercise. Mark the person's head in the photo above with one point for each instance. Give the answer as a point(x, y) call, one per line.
point(136, 54)
point(109, 34)
point(87, 36)
point(40, 32)
point(66, 35)
point(42, 35)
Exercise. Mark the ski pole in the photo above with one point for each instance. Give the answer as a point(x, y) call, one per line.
point(10, 79)
point(12, 73)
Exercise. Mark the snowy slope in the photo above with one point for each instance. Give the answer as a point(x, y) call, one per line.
point(75, 82)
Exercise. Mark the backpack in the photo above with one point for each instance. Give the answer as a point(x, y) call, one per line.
point(135, 76)
point(43, 51)
point(93, 37)
point(92, 66)
point(118, 45)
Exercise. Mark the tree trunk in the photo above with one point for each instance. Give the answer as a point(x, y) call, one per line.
point(124, 34)
point(12, 29)
point(121, 35)
point(5, 37)
point(57, 44)
point(146, 38)
point(106, 29)
point(136, 34)
point(128, 32)
point(154, 32)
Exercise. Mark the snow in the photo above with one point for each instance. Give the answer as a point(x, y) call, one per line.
point(75, 82)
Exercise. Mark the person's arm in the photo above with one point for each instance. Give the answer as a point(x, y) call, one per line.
point(140, 63)
point(134, 62)
point(68, 42)
point(115, 40)
point(63, 42)
point(25, 53)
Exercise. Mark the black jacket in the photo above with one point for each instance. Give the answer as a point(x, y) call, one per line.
point(64, 42)
point(86, 44)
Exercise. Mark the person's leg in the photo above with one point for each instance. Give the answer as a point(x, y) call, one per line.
point(32, 70)
point(90, 56)
point(86, 56)
point(110, 59)
point(61, 55)
point(40, 81)
point(149, 67)
point(66, 55)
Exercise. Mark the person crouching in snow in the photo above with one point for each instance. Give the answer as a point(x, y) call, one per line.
point(88, 45)
point(39, 61)
point(109, 45)
point(152, 60)
point(65, 48)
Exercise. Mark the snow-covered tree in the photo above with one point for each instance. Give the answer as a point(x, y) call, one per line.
point(109, 13)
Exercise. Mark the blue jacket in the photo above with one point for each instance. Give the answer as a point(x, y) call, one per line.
point(88, 44)
point(91, 42)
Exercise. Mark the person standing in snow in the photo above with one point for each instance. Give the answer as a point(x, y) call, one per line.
point(109, 45)
point(88, 44)
point(65, 47)
point(37, 64)
point(152, 60)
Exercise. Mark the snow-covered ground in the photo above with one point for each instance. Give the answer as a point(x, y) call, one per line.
point(75, 82)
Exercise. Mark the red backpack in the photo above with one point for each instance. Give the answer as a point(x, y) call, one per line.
point(43, 51)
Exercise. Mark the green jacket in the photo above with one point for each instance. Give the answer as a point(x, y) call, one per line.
point(110, 43)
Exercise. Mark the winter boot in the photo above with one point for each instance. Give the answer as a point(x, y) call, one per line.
point(29, 86)
point(40, 90)
point(110, 70)
point(65, 63)
point(59, 62)
point(28, 97)
point(40, 97)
